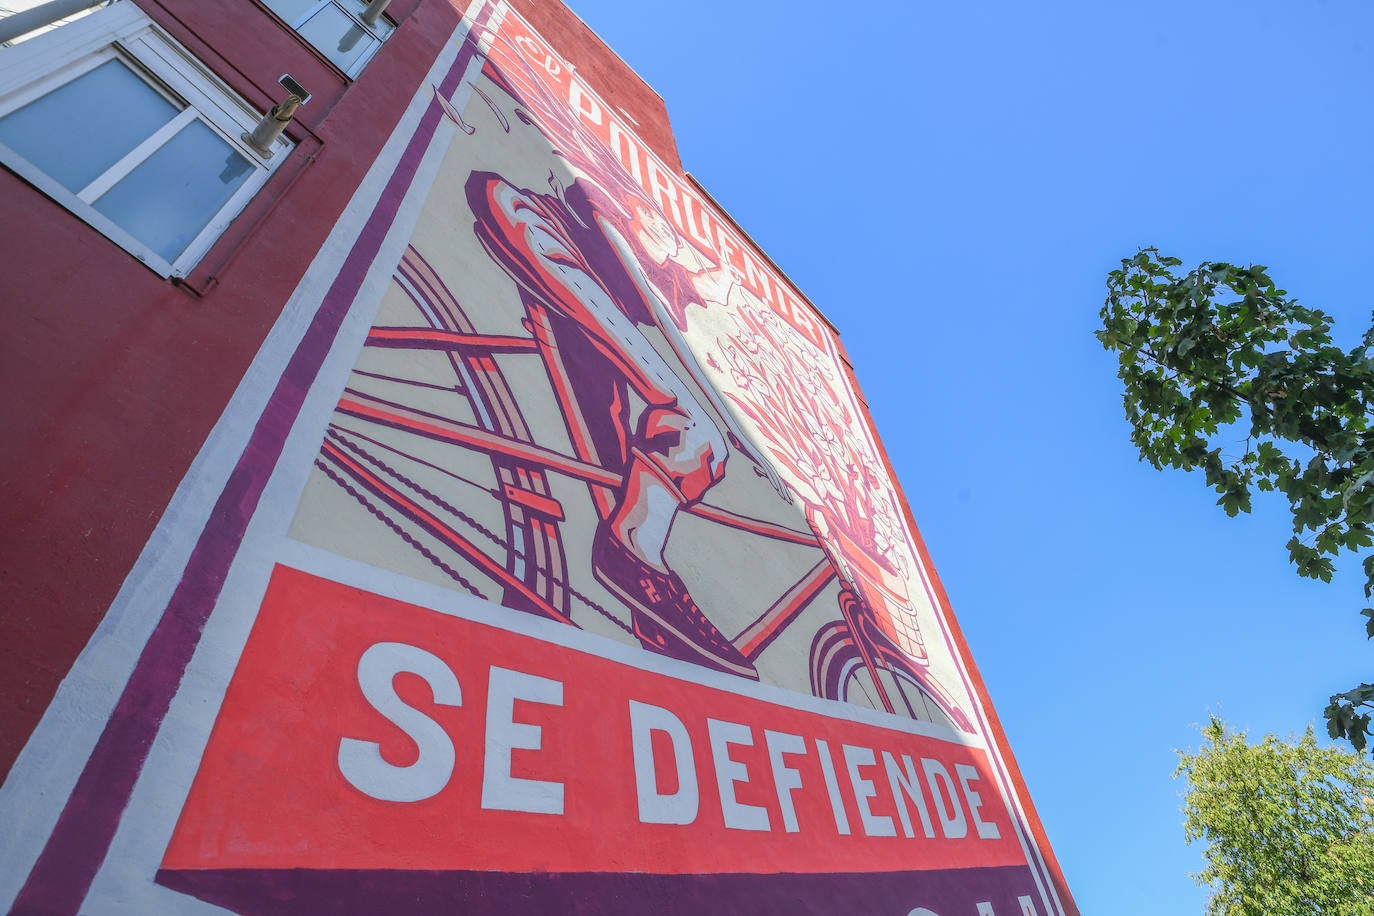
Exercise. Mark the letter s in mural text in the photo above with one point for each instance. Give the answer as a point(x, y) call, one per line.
point(361, 762)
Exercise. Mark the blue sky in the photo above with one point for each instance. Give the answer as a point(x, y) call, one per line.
point(951, 183)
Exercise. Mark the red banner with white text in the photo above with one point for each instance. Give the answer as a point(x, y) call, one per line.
point(362, 732)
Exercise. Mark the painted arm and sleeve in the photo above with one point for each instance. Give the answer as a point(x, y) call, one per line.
point(565, 260)
point(666, 321)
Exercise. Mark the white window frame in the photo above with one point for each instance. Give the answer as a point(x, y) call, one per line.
point(121, 31)
point(341, 6)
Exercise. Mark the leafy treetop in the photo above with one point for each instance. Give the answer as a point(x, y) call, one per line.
point(1289, 826)
point(1219, 355)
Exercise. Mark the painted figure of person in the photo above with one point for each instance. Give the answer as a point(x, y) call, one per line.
point(570, 249)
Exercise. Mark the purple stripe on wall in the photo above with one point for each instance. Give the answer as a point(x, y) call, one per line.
point(287, 892)
point(62, 876)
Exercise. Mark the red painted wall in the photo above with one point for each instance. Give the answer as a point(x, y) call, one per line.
point(114, 376)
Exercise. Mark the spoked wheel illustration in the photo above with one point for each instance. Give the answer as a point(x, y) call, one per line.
point(504, 537)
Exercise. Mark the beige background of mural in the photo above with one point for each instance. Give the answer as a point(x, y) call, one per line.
point(734, 576)
point(712, 334)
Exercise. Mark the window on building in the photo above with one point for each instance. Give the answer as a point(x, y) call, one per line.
point(336, 29)
point(113, 119)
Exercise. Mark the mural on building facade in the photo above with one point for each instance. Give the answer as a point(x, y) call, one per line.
point(588, 590)
point(595, 306)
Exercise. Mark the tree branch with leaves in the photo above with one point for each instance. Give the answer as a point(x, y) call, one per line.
point(1226, 373)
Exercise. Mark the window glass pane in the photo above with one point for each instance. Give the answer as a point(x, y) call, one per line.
point(175, 192)
point(80, 129)
point(291, 11)
point(338, 37)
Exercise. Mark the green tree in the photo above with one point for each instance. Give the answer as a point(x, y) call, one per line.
point(1218, 356)
point(1289, 826)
